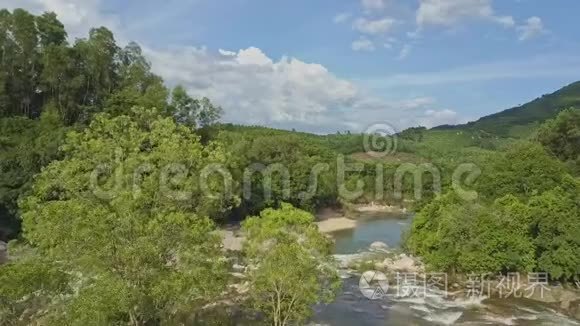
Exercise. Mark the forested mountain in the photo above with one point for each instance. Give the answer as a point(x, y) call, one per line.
point(520, 121)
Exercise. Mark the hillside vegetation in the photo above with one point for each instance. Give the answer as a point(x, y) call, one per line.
point(521, 121)
point(113, 188)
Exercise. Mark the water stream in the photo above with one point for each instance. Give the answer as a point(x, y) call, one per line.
point(352, 308)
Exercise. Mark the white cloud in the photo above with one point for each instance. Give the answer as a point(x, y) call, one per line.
point(373, 5)
point(414, 35)
point(226, 52)
point(405, 51)
point(77, 16)
point(450, 12)
point(285, 93)
point(432, 118)
point(252, 87)
point(253, 57)
point(363, 44)
point(532, 28)
point(547, 66)
point(390, 42)
point(506, 21)
point(447, 13)
point(373, 27)
point(341, 18)
point(417, 103)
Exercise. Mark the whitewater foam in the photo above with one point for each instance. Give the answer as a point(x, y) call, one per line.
point(445, 318)
point(421, 308)
point(500, 320)
point(470, 302)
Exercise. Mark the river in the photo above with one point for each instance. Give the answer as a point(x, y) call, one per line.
point(352, 308)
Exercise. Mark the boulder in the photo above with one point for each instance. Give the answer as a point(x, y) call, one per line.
point(555, 294)
point(242, 288)
point(565, 305)
point(568, 300)
point(351, 261)
point(239, 268)
point(344, 274)
point(577, 312)
point(386, 264)
point(374, 276)
point(379, 246)
point(238, 275)
point(3, 252)
point(230, 241)
point(403, 263)
point(571, 309)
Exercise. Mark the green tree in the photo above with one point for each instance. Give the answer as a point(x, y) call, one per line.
point(26, 287)
point(195, 113)
point(7, 44)
point(24, 64)
point(63, 83)
point(561, 136)
point(414, 134)
point(465, 237)
point(125, 215)
point(39, 67)
point(184, 108)
point(138, 86)
point(209, 114)
point(281, 168)
point(556, 228)
point(524, 170)
point(500, 241)
point(25, 147)
point(294, 267)
point(50, 29)
point(99, 56)
point(439, 232)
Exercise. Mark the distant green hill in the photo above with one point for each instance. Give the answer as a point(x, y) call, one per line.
point(490, 132)
point(521, 121)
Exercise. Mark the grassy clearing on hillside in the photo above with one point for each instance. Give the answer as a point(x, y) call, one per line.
point(390, 158)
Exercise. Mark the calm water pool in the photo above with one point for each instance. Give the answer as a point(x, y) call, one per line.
point(370, 228)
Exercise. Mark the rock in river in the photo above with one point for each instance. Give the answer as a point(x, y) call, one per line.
point(403, 263)
point(379, 246)
point(3, 252)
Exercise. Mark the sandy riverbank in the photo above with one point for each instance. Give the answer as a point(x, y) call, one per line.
point(332, 220)
point(336, 224)
point(375, 208)
point(234, 242)
point(329, 220)
point(231, 241)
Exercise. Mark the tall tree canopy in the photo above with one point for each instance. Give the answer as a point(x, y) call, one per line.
point(526, 218)
point(25, 147)
point(295, 269)
point(125, 215)
point(561, 136)
point(42, 75)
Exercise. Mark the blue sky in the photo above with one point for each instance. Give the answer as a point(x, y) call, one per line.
point(327, 65)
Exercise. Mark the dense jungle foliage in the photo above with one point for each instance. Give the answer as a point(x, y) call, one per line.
point(112, 187)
